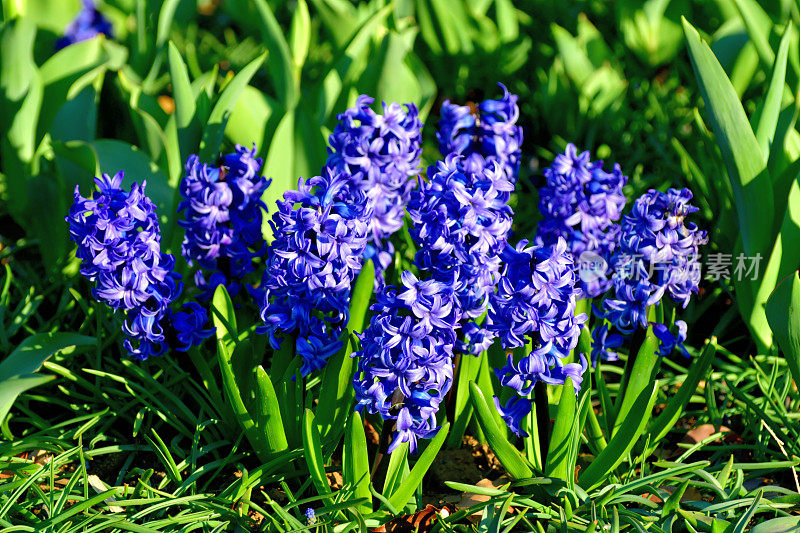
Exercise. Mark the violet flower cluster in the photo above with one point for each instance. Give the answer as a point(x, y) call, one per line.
point(119, 243)
point(461, 223)
point(483, 133)
point(222, 217)
point(582, 203)
point(88, 23)
point(657, 254)
point(320, 235)
point(535, 306)
point(380, 153)
point(405, 366)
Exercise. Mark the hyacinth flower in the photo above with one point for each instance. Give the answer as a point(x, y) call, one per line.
point(582, 203)
point(119, 244)
point(461, 223)
point(88, 23)
point(658, 254)
point(405, 364)
point(482, 133)
point(381, 154)
point(670, 341)
point(534, 307)
point(223, 212)
point(320, 234)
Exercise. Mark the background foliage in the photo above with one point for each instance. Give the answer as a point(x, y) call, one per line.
point(103, 442)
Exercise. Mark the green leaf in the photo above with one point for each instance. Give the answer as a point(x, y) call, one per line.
point(768, 121)
point(281, 65)
point(165, 16)
point(669, 416)
point(783, 312)
point(641, 375)
point(336, 392)
point(348, 61)
point(560, 439)
point(310, 146)
point(355, 462)
point(507, 22)
point(36, 349)
point(394, 80)
point(185, 105)
point(743, 156)
point(508, 455)
point(618, 447)
point(673, 503)
point(400, 497)
point(267, 418)
point(17, 66)
point(784, 524)
point(12, 387)
point(741, 525)
point(250, 119)
point(227, 334)
point(70, 70)
point(279, 165)
point(397, 470)
point(215, 128)
point(759, 25)
point(467, 372)
point(113, 156)
point(17, 370)
point(75, 161)
point(300, 34)
point(313, 454)
point(747, 171)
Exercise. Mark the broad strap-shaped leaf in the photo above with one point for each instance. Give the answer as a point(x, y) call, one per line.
point(215, 128)
point(467, 372)
point(313, 454)
point(12, 387)
point(227, 334)
point(31, 353)
point(185, 105)
point(768, 121)
point(165, 17)
point(281, 64)
point(558, 451)
point(397, 470)
point(300, 35)
point(349, 60)
point(401, 496)
point(279, 162)
point(759, 25)
point(743, 157)
point(784, 524)
point(783, 313)
point(640, 376)
point(73, 68)
point(516, 465)
point(355, 462)
point(618, 447)
point(784, 259)
point(336, 393)
point(267, 417)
